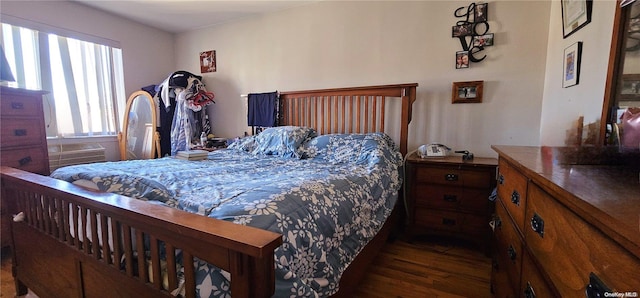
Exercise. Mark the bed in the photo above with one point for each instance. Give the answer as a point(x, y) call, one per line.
point(262, 233)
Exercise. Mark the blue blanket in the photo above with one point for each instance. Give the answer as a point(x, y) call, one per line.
point(328, 204)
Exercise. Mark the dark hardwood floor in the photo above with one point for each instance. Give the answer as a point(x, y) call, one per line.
point(421, 268)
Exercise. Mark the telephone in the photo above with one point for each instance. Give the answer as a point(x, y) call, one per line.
point(433, 150)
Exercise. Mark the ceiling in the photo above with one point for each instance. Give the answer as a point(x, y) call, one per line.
point(183, 15)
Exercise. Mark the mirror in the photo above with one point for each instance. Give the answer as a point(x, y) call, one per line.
point(139, 138)
point(622, 91)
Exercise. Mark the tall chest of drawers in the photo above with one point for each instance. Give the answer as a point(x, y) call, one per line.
point(564, 230)
point(23, 142)
point(450, 197)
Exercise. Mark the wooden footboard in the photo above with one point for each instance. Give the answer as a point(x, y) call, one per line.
point(57, 252)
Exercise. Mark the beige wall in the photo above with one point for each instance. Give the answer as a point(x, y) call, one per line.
point(562, 106)
point(343, 43)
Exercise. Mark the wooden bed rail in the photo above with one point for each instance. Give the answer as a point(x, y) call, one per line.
point(57, 213)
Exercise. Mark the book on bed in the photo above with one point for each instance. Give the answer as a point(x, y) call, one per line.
point(192, 154)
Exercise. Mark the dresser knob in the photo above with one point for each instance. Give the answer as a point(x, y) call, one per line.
point(515, 197)
point(529, 292)
point(596, 288)
point(512, 253)
point(537, 224)
point(450, 198)
point(24, 161)
point(19, 132)
point(501, 179)
point(17, 105)
point(448, 222)
point(451, 177)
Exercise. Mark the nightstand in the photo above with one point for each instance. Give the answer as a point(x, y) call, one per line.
point(450, 197)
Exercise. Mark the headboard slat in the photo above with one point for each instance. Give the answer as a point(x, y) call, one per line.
point(352, 110)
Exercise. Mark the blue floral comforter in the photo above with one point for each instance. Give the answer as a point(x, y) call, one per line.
point(327, 201)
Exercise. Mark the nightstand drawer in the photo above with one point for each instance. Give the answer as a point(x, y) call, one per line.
point(453, 176)
point(453, 198)
point(439, 220)
point(31, 159)
point(20, 131)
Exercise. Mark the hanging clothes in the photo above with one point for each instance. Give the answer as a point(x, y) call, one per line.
point(262, 109)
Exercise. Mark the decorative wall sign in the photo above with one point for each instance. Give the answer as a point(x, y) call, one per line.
point(208, 61)
point(467, 92)
point(472, 31)
point(571, 71)
point(575, 15)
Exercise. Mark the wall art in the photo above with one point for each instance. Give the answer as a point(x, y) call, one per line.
point(208, 61)
point(472, 31)
point(575, 15)
point(467, 92)
point(571, 71)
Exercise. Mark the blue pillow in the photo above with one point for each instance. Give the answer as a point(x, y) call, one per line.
point(247, 144)
point(282, 140)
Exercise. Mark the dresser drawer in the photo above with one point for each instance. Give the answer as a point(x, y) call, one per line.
point(20, 131)
point(32, 159)
point(512, 190)
point(500, 281)
point(453, 176)
point(19, 105)
point(509, 248)
point(571, 249)
point(533, 283)
point(471, 200)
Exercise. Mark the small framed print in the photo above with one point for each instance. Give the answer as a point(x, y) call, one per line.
point(462, 59)
point(462, 30)
point(480, 14)
point(208, 61)
point(467, 92)
point(483, 40)
point(571, 65)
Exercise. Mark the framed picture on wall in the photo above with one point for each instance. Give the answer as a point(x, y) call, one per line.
point(208, 61)
point(575, 15)
point(467, 92)
point(571, 65)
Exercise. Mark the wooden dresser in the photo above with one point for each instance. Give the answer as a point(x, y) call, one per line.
point(23, 140)
point(563, 229)
point(449, 197)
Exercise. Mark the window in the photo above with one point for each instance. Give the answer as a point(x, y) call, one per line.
point(84, 79)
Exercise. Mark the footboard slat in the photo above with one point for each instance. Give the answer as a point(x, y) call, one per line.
point(92, 237)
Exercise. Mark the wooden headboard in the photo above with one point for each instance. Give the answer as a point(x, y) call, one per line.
point(349, 110)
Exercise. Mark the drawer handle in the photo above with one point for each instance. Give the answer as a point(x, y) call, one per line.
point(596, 288)
point(24, 161)
point(448, 222)
point(501, 179)
point(498, 222)
point(451, 177)
point(529, 292)
point(512, 253)
point(17, 106)
point(450, 198)
point(19, 132)
point(537, 224)
point(515, 197)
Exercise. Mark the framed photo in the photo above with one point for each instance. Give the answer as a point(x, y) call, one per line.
point(208, 61)
point(575, 15)
point(630, 87)
point(483, 40)
point(480, 13)
point(467, 92)
point(571, 63)
point(462, 30)
point(462, 59)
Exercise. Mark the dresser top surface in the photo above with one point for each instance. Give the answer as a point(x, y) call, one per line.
point(606, 195)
